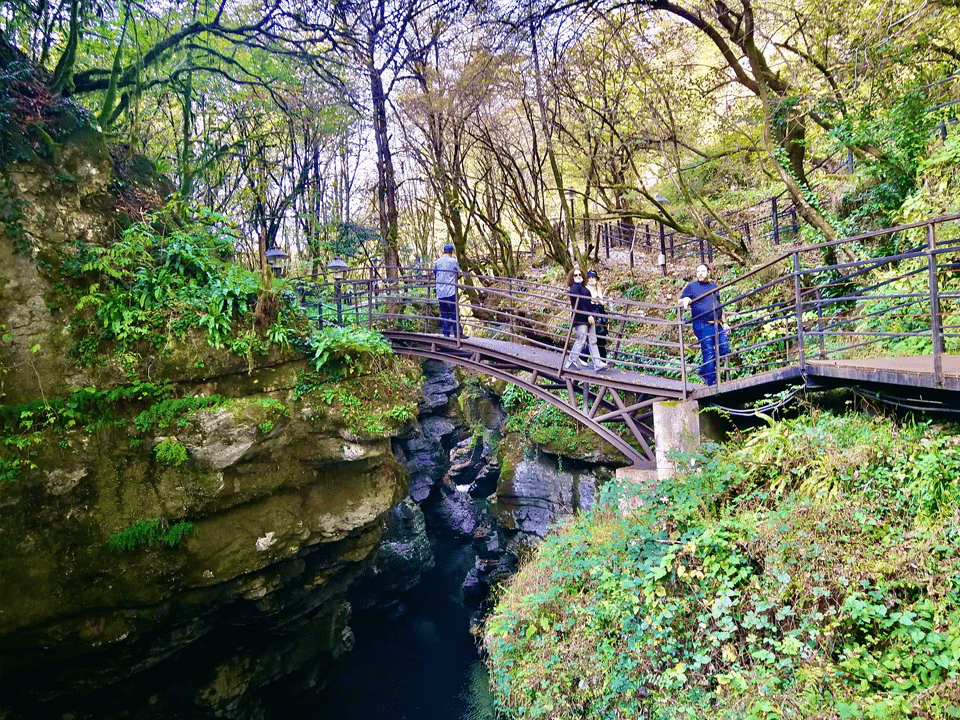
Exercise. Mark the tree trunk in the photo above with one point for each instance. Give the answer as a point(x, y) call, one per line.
point(386, 178)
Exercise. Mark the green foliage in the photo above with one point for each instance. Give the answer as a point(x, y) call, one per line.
point(24, 428)
point(152, 285)
point(347, 239)
point(901, 133)
point(810, 570)
point(540, 422)
point(171, 451)
point(515, 397)
point(170, 411)
point(11, 218)
point(374, 404)
point(154, 532)
point(344, 351)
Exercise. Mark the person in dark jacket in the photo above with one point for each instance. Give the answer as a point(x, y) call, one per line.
point(584, 324)
point(706, 314)
point(598, 310)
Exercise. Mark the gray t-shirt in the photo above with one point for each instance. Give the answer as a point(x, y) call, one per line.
point(446, 269)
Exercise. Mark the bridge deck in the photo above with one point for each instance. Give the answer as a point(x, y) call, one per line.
point(915, 370)
point(910, 377)
point(546, 362)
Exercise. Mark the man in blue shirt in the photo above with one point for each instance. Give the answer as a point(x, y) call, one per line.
point(446, 270)
point(706, 313)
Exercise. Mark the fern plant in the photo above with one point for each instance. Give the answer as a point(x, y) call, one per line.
point(153, 532)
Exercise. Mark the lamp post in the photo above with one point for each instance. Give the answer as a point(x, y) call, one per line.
point(662, 257)
point(338, 267)
point(276, 258)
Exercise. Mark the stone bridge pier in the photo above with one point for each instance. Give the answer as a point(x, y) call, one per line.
point(678, 426)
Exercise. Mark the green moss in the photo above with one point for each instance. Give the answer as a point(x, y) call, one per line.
point(373, 405)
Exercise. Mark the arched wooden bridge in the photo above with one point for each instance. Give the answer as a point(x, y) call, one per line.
point(886, 320)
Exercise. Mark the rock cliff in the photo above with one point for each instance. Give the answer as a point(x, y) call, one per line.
point(281, 498)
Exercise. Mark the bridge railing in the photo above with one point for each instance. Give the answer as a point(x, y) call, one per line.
point(896, 293)
point(644, 337)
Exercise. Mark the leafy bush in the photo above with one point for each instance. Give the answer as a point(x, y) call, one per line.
point(151, 285)
point(732, 592)
point(901, 133)
point(347, 350)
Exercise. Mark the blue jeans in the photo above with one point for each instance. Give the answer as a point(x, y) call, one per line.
point(448, 316)
point(710, 341)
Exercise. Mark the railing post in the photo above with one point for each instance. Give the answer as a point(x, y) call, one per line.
point(458, 329)
point(935, 328)
point(776, 220)
point(566, 346)
point(823, 349)
point(801, 358)
point(683, 353)
point(370, 299)
point(339, 297)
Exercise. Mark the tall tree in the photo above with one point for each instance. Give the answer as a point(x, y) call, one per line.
point(384, 44)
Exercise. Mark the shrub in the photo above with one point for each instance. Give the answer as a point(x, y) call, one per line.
point(733, 593)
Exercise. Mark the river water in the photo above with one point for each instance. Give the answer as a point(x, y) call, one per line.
point(422, 665)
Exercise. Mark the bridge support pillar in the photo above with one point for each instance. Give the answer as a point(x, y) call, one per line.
point(676, 428)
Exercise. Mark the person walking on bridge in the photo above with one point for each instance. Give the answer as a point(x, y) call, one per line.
point(446, 270)
point(706, 315)
point(584, 323)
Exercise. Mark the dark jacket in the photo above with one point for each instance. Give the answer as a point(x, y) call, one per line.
point(707, 308)
point(580, 301)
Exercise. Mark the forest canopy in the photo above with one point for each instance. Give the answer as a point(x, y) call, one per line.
point(379, 130)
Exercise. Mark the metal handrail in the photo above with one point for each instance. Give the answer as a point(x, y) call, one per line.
point(786, 312)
